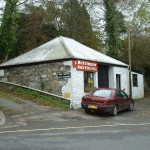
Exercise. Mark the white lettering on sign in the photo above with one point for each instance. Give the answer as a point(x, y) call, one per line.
point(85, 65)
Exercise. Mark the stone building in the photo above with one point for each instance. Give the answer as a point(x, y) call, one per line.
point(67, 68)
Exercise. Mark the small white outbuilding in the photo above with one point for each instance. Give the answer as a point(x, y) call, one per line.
point(68, 68)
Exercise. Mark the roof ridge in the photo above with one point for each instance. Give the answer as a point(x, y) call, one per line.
point(65, 46)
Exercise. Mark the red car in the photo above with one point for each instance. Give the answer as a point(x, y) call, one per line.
point(107, 100)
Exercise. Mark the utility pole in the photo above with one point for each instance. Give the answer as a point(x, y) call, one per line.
point(129, 58)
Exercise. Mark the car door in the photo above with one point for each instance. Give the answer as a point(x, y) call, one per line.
point(124, 100)
point(119, 100)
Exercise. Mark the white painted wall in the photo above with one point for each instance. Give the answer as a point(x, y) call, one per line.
point(75, 85)
point(124, 77)
point(138, 92)
point(111, 77)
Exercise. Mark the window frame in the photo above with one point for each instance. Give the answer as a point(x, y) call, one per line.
point(135, 80)
point(88, 81)
point(120, 94)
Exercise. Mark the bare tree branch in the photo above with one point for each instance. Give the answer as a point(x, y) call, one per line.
point(1, 9)
point(22, 2)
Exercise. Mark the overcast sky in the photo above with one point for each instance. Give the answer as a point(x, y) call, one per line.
point(2, 4)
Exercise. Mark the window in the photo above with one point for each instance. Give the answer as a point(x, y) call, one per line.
point(123, 94)
point(118, 81)
point(135, 80)
point(102, 93)
point(88, 81)
point(120, 94)
point(117, 93)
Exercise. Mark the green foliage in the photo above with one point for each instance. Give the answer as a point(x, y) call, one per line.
point(141, 19)
point(39, 24)
point(77, 25)
point(40, 98)
point(140, 53)
point(114, 27)
point(34, 96)
point(8, 28)
point(35, 27)
point(139, 12)
point(52, 13)
point(1, 107)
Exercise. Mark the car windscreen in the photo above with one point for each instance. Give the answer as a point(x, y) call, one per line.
point(102, 93)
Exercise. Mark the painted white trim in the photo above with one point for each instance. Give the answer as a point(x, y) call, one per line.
point(77, 127)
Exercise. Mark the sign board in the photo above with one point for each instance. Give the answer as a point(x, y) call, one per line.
point(84, 65)
point(67, 95)
point(64, 75)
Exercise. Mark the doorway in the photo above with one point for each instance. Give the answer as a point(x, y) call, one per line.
point(118, 81)
point(103, 79)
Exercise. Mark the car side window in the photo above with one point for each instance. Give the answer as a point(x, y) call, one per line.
point(117, 93)
point(123, 95)
point(120, 94)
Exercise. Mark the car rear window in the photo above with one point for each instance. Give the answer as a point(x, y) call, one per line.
point(102, 93)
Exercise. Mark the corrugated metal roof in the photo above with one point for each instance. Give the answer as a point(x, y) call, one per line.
point(61, 48)
point(81, 51)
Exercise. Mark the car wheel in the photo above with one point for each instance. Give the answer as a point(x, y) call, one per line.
point(87, 111)
point(131, 107)
point(114, 111)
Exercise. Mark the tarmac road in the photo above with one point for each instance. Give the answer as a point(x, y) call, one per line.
point(102, 137)
point(29, 126)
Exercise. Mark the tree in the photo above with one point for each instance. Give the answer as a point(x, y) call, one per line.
point(35, 27)
point(70, 17)
point(8, 28)
point(87, 37)
point(114, 27)
point(76, 24)
point(141, 18)
point(138, 17)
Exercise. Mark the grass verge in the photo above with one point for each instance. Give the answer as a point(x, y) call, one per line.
point(1, 107)
point(16, 94)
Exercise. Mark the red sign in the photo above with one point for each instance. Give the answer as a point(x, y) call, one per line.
point(85, 65)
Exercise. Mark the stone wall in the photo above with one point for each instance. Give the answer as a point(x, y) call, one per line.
point(40, 76)
point(10, 86)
